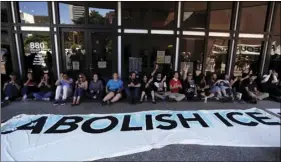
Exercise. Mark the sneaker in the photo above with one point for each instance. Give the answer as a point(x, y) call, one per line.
point(6, 98)
point(94, 97)
point(63, 103)
point(145, 98)
point(56, 103)
point(205, 100)
point(153, 101)
point(24, 98)
point(108, 102)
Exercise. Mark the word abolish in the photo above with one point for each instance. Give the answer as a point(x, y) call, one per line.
point(142, 121)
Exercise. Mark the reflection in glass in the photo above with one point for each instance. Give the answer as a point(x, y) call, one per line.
point(253, 17)
point(216, 55)
point(163, 15)
point(194, 15)
point(34, 12)
point(277, 27)
point(275, 59)
point(103, 15)
point(135, 14)
point(5, 57)
point(4, 12)
point(102, 56)
point(220, 15)
point(74, 50)
point(247, 58)
point(191, 54)
point(71, 14)
point(142, 52)
point(37, 52)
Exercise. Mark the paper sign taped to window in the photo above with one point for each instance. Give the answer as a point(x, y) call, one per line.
point(167, 59)
point(75, 65)
point(102, 64)
point(160, 57)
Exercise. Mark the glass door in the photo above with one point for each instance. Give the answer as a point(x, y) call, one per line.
point(103, 54)
point(73, 52)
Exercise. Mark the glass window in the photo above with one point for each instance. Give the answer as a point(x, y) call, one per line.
point(220, 15)
point(141, 52)
point(217, 51)
point(253, 17)
point(191, 54)
point(37, 52)
point(276, 27)
point(74, 50)
point(247, 58)
point(102, 13)
point(71, 14)
point(163, 15)
point(275, 59)
point(6, 60)
point(34, 12)
point(135, 14)
point(4, 12)
point(194, 15)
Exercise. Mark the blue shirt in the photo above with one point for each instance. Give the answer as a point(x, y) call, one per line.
point(114, 85)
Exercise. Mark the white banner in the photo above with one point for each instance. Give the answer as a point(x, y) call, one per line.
point(245, 49)
point(92, 137)
point(275, 111)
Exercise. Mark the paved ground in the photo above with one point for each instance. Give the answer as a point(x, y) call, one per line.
point(168, 153)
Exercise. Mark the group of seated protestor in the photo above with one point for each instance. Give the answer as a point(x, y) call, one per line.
point(138, 88)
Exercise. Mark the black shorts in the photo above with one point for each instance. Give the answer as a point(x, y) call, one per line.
point(114, 91)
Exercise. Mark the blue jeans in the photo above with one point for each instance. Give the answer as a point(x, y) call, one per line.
point(41, 95)
point(132, 93)
point(78, 92)
point(11, 91)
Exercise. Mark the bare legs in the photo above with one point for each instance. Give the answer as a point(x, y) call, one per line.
point(112, 97)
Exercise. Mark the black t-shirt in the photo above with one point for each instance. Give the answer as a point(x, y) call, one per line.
point(134, 81)
point(251, 86)
point(189, 86)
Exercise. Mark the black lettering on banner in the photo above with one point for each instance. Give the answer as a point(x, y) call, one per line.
point(72, 125)
point(86, 127)
point(261, 118)
point(230, 116)
point(172, 123)
point(148, 122)
point(223, 120)
point(243, 48)
point(197, 117)
point(126, 124)
point(36, 129)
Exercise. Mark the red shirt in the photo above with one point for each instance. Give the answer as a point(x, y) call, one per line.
point(173, 83)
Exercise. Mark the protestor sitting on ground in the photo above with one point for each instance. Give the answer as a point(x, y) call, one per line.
point(225, 86)
point(203, 88)
point(96, 90)
point(11, 88)
point(45, 86)
point(214, 87)
point(160, 87)
point(251, 93)
point(114, 88)
point(269, 84)
point(175, 88)
point(64, 89)
point(190, 89)
point(29, 87)
point(132, 88)
point(81, 86)
point(237, 86)
point(146, 88)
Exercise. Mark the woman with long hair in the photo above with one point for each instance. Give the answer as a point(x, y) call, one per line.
point(81, 85)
